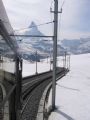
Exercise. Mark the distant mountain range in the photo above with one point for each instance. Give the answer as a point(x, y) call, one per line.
point(44, 47)
point(77, 46)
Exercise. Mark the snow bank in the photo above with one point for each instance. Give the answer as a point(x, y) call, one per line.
point(72, 91)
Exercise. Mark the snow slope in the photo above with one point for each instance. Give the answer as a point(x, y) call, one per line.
point(73, 91)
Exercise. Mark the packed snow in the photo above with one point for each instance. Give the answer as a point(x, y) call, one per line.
point(73, 91)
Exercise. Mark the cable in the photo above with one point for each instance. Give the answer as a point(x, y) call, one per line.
point(34, 51)
point(59, 26)
point(59, 23)
point(35, 26)
point(51, 4)
point(63, 3)
point(51, 15)
point(60, 16)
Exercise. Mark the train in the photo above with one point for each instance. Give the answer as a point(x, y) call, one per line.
point(10, 69)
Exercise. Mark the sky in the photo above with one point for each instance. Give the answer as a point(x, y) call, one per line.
point(73, 23)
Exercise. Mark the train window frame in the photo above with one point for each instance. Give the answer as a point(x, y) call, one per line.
point(9, 41)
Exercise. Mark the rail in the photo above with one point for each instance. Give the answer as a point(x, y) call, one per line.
point(34, 94)
point(44, 110)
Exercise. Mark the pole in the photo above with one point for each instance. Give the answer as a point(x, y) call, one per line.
point(36, 62)
point(18, 88)
point(69, 61)
point(50, 59)
point(47, 59)
point(54, 52)
point(63, 62)
point(65, 59)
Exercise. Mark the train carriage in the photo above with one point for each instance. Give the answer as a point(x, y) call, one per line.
point(10, 69)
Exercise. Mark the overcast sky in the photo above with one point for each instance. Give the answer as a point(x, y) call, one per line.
point(75, 19)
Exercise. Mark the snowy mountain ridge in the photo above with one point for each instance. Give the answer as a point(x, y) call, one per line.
point(44, 46)
point(30, 45)
point(77, 46)
point(33, 30)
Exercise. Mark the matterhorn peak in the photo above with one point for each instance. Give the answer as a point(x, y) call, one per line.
point(33, 30)
point(33, 25)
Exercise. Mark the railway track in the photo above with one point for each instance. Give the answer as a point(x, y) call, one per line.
point(34, 80)
point(32, 91)
point(1, 99)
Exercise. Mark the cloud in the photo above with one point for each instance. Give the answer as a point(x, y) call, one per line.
point(75, 19)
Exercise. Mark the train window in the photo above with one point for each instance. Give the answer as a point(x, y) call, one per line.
point(7, 62)
point(9, 68)
point(7, 76)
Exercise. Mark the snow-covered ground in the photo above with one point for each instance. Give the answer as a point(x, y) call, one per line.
point(43, 66)
point(30, 68)
point(8, 66)
point(73, 91)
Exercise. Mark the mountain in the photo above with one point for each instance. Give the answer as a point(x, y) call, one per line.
point(33, 30)
point(43, 46)
point(77, 46)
